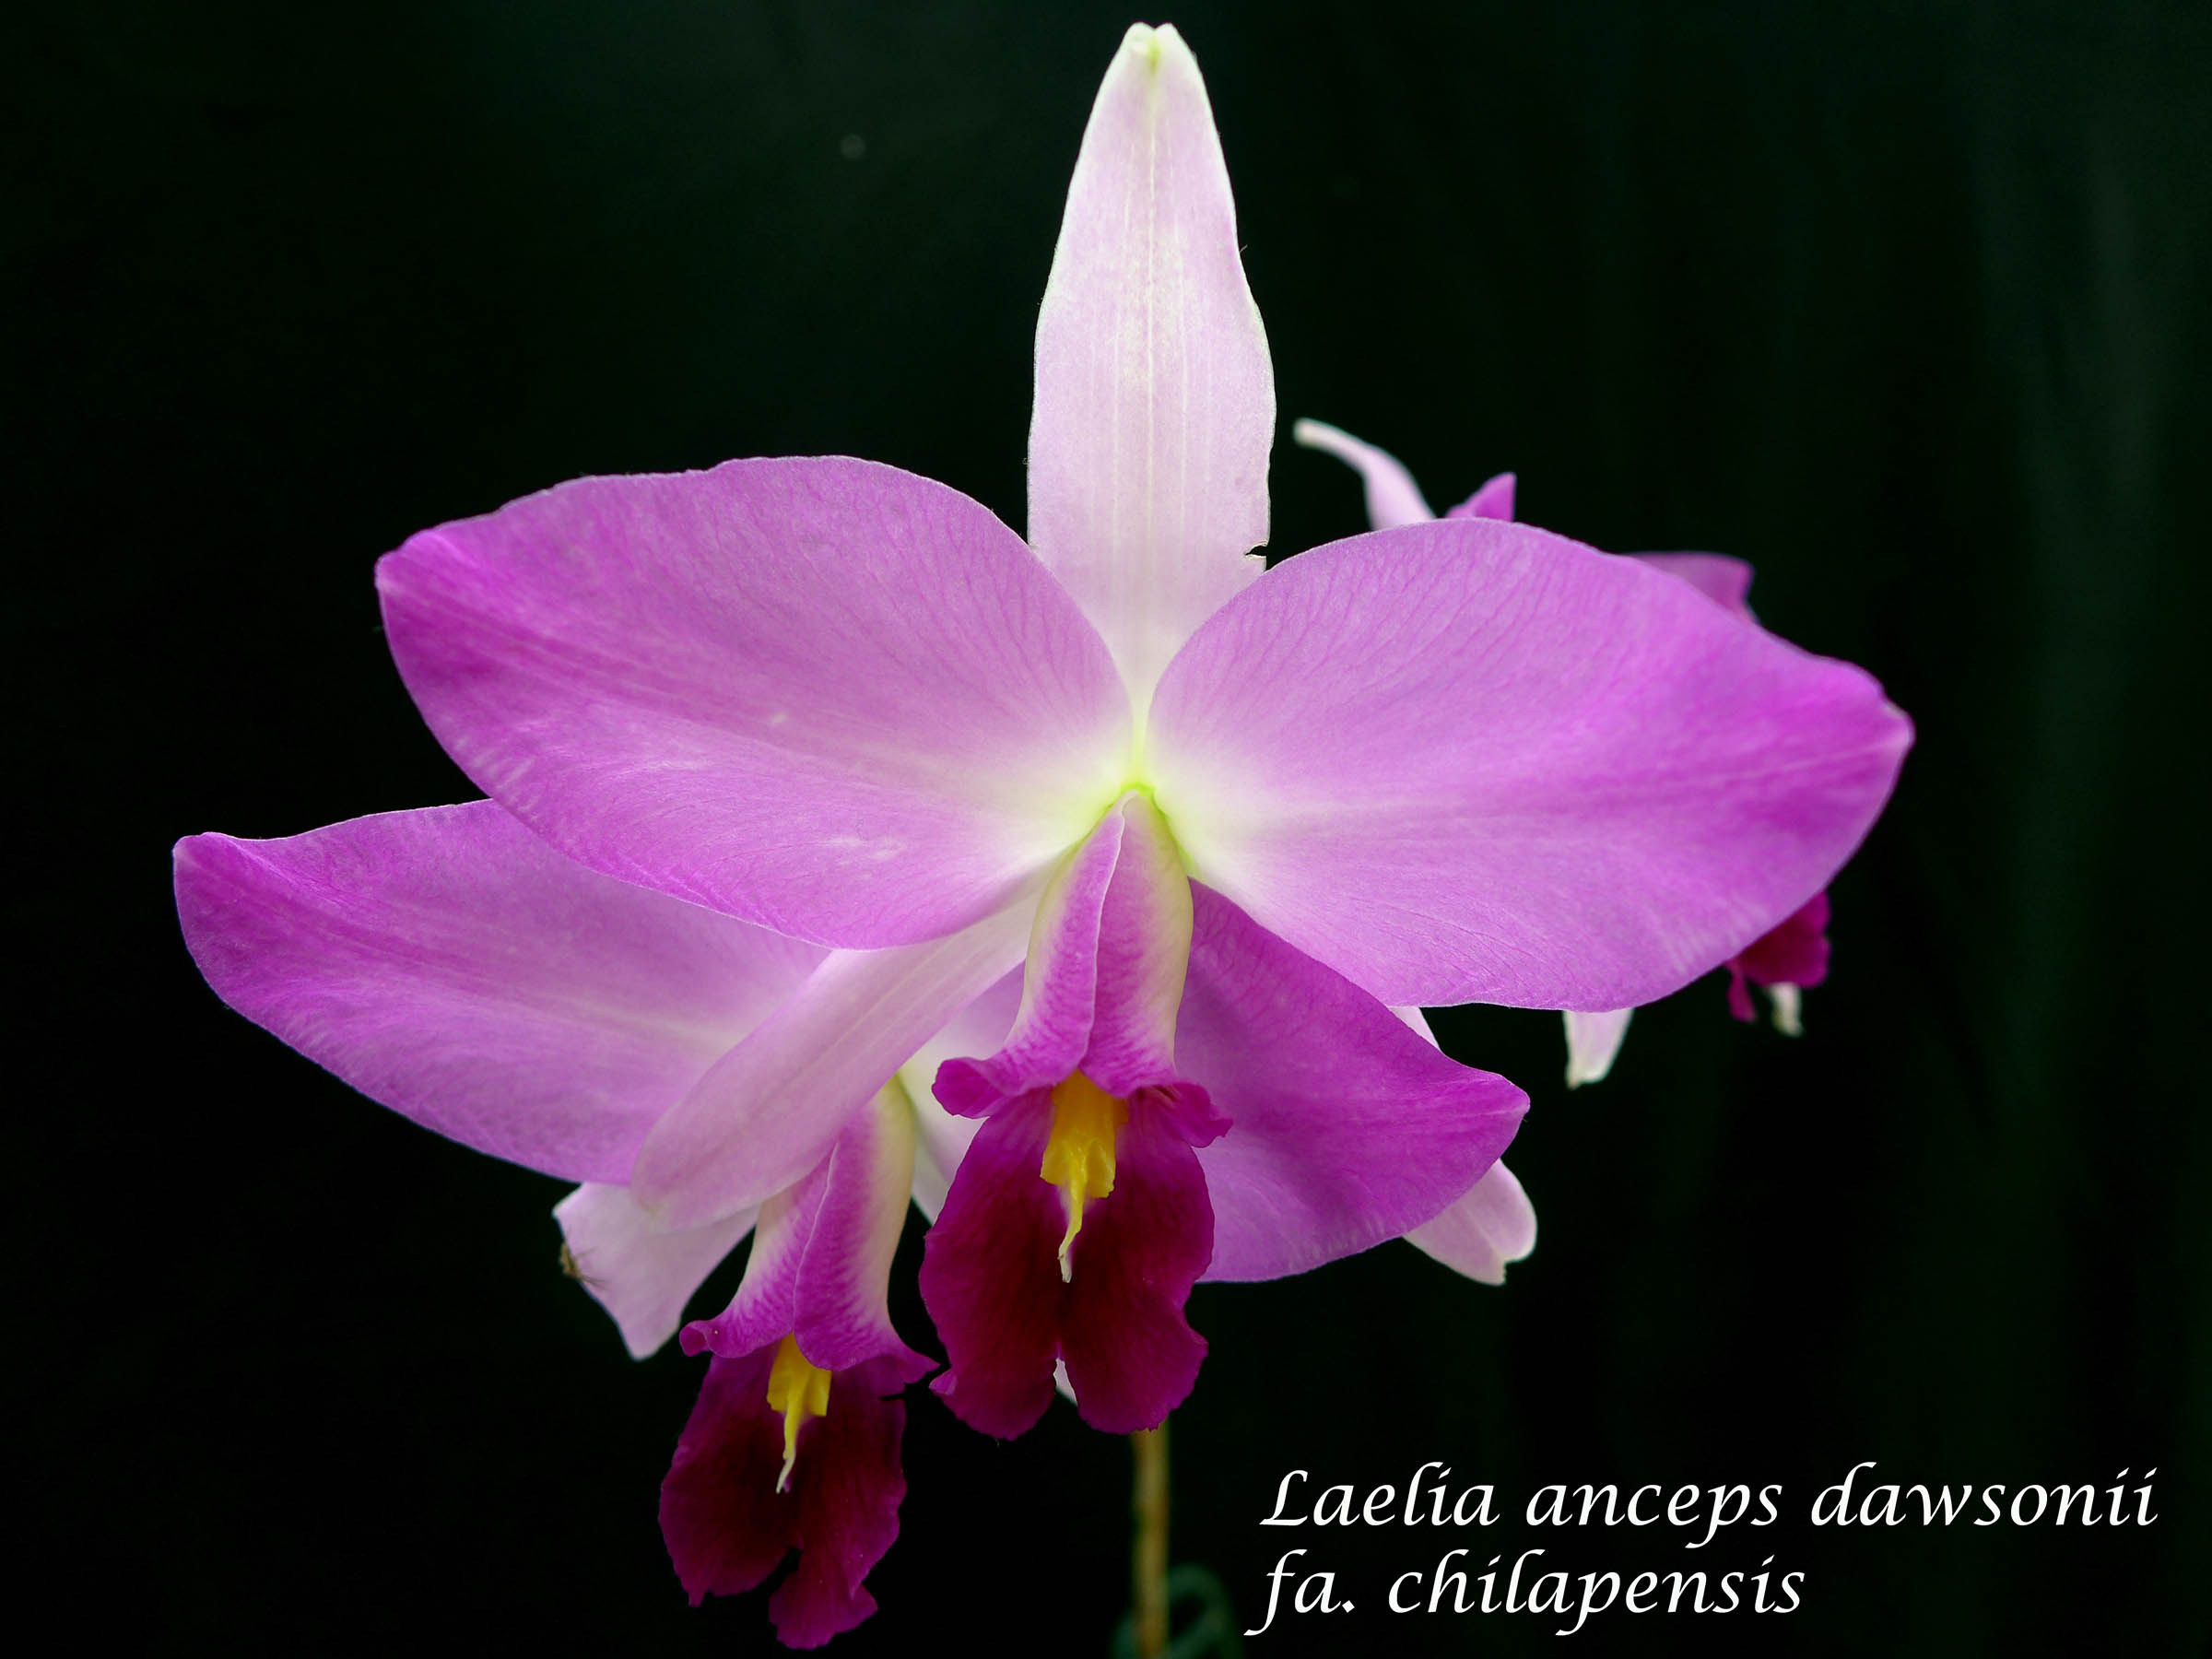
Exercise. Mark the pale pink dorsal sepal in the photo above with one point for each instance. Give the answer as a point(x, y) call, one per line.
point(1155, 397)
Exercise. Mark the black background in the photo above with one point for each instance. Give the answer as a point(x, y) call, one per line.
point(1906, 303)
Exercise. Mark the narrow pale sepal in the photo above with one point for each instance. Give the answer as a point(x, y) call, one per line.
point(1491, 1226)
point(1493, 501)
point(1593, 1043)
point(642, 1277)
point(1155, 398)
point(1393, 497)
point(1789, 1008)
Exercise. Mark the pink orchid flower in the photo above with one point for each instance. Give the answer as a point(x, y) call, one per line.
point(1787, 959)
point(808, 1330)
point(455, 967)
point(1130, 847)
point(1219, 813)
point(452, 965)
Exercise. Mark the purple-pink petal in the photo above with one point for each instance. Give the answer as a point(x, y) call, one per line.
point(1725, 580)
point(451, 966)
point(642, 1277)
point(1154, 399)
point(1473, 760)
point(1794, 954)
point(1349, 1127)
point(823, 695)
point(727, 1527)
point(1493, 501)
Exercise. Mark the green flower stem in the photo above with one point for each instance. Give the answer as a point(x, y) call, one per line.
point(1148, 1551)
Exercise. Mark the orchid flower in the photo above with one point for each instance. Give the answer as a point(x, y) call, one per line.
point(1221, 818)
point(1786, 959)
point(452, 966)
point(1218, 822)
point(457, 968)
point(805, 1380)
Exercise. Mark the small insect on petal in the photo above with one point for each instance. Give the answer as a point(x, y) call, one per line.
point(574, 1269)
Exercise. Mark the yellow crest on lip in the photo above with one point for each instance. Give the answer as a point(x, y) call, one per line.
point(799, 1389)
point(1078, 1158)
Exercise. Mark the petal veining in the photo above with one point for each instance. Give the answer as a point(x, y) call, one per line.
point(454, 967)
point(1471, 760)
point(1155, 398)
point(823, 695)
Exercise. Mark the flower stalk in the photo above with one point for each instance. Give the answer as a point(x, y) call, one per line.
point(1148, 1550)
